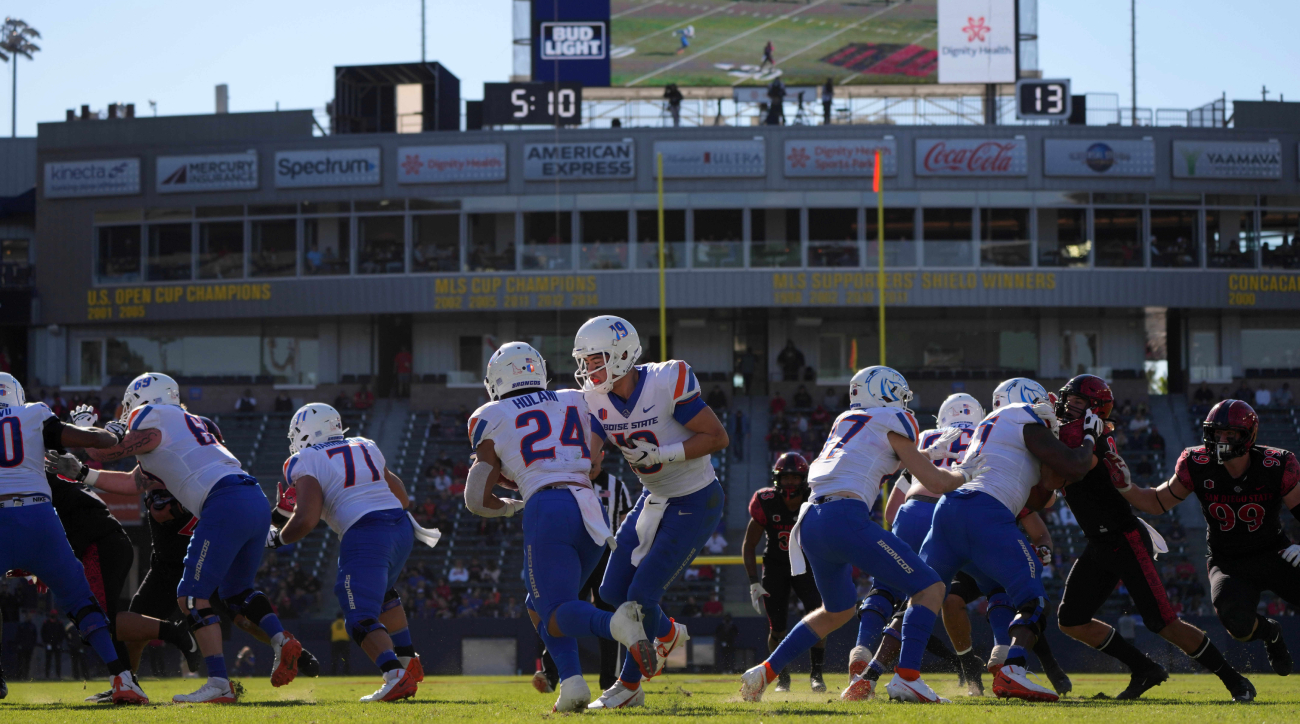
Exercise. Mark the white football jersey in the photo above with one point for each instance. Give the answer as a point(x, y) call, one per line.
point(958, 448)
point(189, 459)
point(540, 438)
point(351, 476)
point(1013, 470)
point(666, 397)
point(22, 448)
point(857, 456)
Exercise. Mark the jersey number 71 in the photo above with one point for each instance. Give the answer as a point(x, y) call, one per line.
point(350, 464)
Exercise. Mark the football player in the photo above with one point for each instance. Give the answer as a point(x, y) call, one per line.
point(31, 537)
point(1242, 488)
point(346, 481)
point(227, 543)
point(867, 443)
point(975, 523)
point(773, 510)
point(546, 443)
point(655, 415)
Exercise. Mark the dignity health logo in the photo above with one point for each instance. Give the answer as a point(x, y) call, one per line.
point(976, 30)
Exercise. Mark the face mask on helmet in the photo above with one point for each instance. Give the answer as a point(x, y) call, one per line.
point(1229, 431)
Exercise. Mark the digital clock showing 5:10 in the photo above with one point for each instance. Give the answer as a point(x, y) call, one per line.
point(532, 104)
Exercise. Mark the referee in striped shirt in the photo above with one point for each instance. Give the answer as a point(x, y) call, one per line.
point(618, 500)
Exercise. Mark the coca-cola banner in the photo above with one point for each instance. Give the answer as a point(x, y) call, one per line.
point(972, 157)
point(830, 157)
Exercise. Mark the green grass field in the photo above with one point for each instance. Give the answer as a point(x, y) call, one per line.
point(730, 34)
point(1185, 699)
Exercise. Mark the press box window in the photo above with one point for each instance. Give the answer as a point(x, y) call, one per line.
point(118, 254)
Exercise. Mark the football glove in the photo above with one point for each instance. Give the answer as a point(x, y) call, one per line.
point(643, 454)
point(1047, 413)
point(1044, 554)
point(1092, 425)
point(41, 588)
point(287, 498)
point(66, 466)
point(1292, 555)
point(1118, 471)
point(273, 539)
point(757, 592)
point(941, 449)
point(117, 429)
point(84, 416)
point(972, 467)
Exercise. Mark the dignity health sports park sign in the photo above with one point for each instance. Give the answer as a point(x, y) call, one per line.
point(451, 164)
point(221, 172)
point(812, 158)
point(972, 157)
point(101, 177)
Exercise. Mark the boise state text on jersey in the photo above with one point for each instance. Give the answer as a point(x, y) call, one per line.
point(666, 397)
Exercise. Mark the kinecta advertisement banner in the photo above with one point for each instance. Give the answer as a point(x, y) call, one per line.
point(579, 161)
point(977, 41)
point(1089, 158)
point(451, 164)
point(713, 159)
point(327, 167)
point(218, 172)
point(972, 157)
point(101, 177)
point(1227, 159)
point(830, 158)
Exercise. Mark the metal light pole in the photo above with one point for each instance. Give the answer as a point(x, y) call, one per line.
point(422, 32)
point(1133, 48)
point(15, 40)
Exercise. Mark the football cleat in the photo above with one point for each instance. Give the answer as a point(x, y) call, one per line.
point(972, 672)
point(1278, 656)
point(1140, 681)
point(1014, 682)
point(414, 668)
point(309, 665)
point(193, 656)
point(753, 682)
point(627, 628)
point(103, 697)
point(575, 695)
point(619, 696)
point(398, 684)
point(213, 691)
point(285, 668)
point(859, 689)
point(816, 682)
point(542, 683)
point(126, 690)
point(916, 692)
point(1243, 691)
point(783, 681)
point(4, 688)
point(859, 657)
point(1059, 679)
point(678, 636)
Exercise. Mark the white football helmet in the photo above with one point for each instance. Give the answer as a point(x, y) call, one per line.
point(613, 337)
point(959, 408)
point(150, 388)
point(1019, 389)
point(879, 386)
point(515, 366)
point(314, 423)
point(11, 391)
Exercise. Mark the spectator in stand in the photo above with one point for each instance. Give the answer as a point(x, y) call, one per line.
point(1204, 395)
point(829, 400)
point(429, 508)
point(403, 362)
point(791, 361)
point(776, 407)
point(1263, 398)
point(1243, 392)
point(690, 609)
point(1277, 608)
point(777, 441)
point(1156, 441)
point(1283, 395)
point(1143, 467)
point(1138, 426)
point(364, 399)
point(492, 572)
point(457, 487)
point(458, 573)
point(342, 401)
point(475, 570)
point(716, 545)
point(748, 363)
point(820, 417)
point(512, 608)
point(246, 403)
point(801, 400)
point(724, 642)
point(801, 424)
point(284, 403)
point(712, 607)
point(796, 442)
point(740, 430)
point(717, 400)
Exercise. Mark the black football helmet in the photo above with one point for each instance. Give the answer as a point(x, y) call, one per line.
point(791, 463)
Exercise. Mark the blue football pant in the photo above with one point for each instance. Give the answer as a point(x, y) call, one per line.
point(372, 555)
point(226, 548)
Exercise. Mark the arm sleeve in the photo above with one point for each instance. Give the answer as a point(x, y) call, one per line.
point(1290, 473)
point(52, 433)
point(1182, 470)
point(756, 509)
point(687, 402)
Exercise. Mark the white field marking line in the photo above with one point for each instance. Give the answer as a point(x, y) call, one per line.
point(636, 9)
point(732, 39)
point(678, 26)
point(917, 39)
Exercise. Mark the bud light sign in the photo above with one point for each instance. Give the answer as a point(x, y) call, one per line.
point(573, 41)
point(972, 157)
